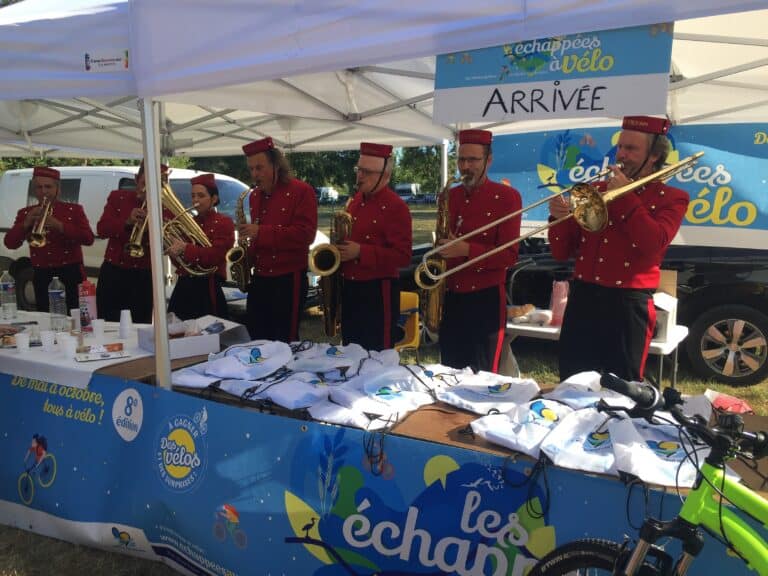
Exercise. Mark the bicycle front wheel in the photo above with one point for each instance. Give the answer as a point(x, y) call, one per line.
point(590, 557)
point(47, 470)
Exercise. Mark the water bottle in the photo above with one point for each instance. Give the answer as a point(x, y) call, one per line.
point(8, 296)
point(57, 305)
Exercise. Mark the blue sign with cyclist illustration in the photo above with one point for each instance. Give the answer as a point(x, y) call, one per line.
point(728, 187)
point(216, 489)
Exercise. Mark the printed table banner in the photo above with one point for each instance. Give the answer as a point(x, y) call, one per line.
point(606, 73)
point(212, 488)
point(728, 188)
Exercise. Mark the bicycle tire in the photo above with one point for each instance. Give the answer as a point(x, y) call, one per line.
point(47, 470)
point(593, 555)
point(26, 487)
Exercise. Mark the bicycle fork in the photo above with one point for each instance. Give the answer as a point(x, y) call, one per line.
point(651, 532)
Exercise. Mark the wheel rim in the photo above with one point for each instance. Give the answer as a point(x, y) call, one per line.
point(734, 348)
point(26, 488)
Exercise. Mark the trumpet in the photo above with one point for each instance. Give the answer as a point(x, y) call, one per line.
point(588, 207)
point(37, 235)
point(134, 247)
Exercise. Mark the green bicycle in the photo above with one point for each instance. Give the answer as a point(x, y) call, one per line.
point(706, 506)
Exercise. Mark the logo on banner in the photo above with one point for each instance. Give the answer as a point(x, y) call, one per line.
point(128, 414)
point(181, 451)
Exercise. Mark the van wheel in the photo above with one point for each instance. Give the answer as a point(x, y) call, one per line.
point(25, 290)
point(730, 344)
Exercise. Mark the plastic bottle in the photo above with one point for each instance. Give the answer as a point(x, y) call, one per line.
point(57, 305)
point(86, 292)
point(8, 296)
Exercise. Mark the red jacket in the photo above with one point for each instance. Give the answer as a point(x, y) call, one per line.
point(382, 226)
point(627, 254)
point(61, 248)
point(113, 226)
point(469, 211)
point(287, 221)
point(221, 232)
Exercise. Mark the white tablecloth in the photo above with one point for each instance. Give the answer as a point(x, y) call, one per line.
point(54, 366)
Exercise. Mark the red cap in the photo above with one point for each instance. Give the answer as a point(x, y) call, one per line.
point(378, 150)
point(258, 146)
point(163, 168)
point(46, 172)
point(207, 180)
point(475, 137)
point(647, 124)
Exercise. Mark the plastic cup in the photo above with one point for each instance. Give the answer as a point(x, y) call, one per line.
point(47, 339)
point(98, 328)
point(126, 323)
point(75, 314)
point(22, 342)
point(68, 345)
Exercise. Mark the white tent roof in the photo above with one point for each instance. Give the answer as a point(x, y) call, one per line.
point(319, 75)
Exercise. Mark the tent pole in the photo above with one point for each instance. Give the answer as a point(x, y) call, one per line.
point(444, 164)
point(151, 132)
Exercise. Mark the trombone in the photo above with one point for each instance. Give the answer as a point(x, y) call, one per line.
point(588, 207)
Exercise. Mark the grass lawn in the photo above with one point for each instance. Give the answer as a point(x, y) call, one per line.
point(25, 554)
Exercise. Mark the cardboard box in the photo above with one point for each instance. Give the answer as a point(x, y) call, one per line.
point(180, 347)
point(233, 332)
point(665, 302)
point(666, 315)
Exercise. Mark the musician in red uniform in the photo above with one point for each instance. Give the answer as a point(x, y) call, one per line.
point(66, 231)
point(379, 245)
point(472, 332)
point(125, 281)
point(610, 317)
point(196, 296)
point(283, 224)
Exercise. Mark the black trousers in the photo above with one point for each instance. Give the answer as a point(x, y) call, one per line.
point(124, 288)
point(275, 305)
point(606, 329)
point(196, 296)
point(370, 310)
point(70, 274)
point(473, 332)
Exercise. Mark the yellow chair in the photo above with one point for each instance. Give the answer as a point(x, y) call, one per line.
point(409, 316)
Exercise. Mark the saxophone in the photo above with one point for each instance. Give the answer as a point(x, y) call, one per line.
point(241, 267)
point(325, 261)
point(433, 293)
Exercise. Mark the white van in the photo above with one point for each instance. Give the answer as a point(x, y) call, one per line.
point(89, 186)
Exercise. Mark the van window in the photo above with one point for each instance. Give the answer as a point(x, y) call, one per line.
point(229, 192)
point(127, 184)
point(69, 191)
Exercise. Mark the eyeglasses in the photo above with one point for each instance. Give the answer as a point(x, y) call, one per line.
point(470, 159)
point(364, 171)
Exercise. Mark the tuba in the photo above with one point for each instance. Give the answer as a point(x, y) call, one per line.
point(182, 226)
point(433, 294)
point(37, 235)
point(324, 261)
point(134, 247)
point(241, 268)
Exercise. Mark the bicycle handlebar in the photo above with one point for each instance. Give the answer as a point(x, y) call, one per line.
point(729, 430)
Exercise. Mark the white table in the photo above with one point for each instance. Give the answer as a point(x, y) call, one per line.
point(661, 349)
point(53, 366)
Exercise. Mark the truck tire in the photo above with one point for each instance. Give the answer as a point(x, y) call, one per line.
point(730, 344)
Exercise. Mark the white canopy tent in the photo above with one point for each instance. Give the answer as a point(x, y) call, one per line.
point(321, 87)
point(237, 69)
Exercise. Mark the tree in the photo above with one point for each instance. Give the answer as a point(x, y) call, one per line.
point(422, 165)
